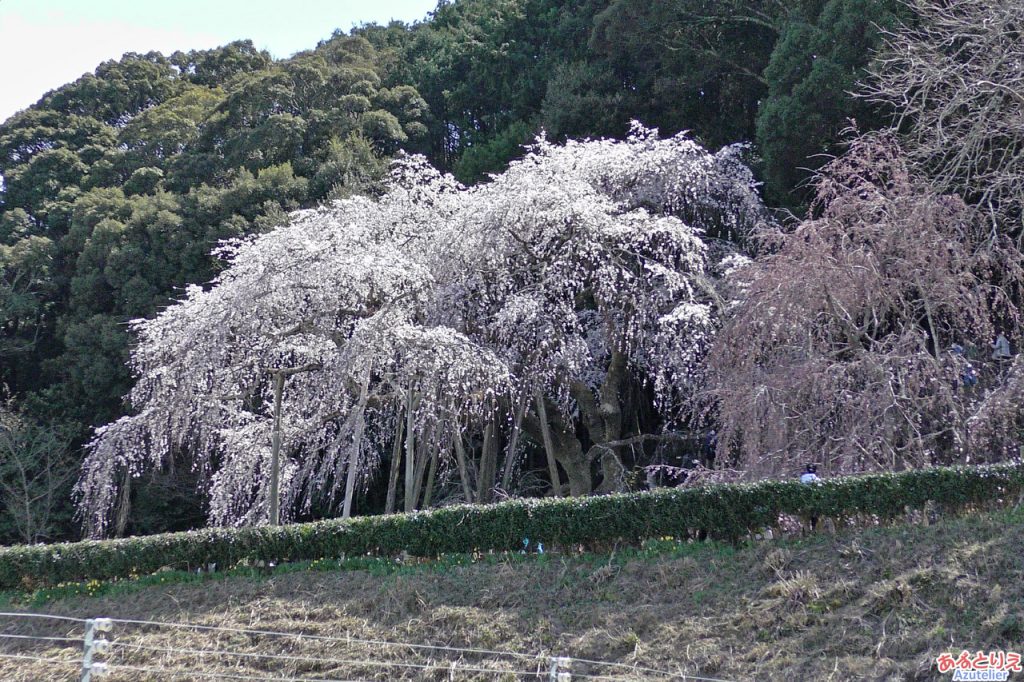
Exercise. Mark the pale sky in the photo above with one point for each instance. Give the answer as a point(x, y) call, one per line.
point(47, 43)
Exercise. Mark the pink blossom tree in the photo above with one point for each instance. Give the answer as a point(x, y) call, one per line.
point(845, 343)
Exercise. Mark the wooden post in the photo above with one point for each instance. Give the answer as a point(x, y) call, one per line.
point(279, 375)
point(275, 453)
point(410, 456)
point(353, 458)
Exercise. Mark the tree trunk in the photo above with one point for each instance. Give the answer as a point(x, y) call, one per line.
point(396, 463)
point(488, 465)
point(549, 445)
point(410, 455)
point(602, 416)
point(428, 495)
point(460, 456)
point(422, 459)
point(275, 453)
point(124, 506)
point(577, 468)
point(611, 400)
point(563, 445)
point(357, 441)
point(613, 474)
point(513, 444)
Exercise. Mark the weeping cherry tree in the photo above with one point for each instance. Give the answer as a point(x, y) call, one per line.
point(439, 329)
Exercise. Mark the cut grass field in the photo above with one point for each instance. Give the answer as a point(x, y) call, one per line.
point(863, 604)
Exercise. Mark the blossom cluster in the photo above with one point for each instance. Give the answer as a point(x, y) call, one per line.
point(438, 300)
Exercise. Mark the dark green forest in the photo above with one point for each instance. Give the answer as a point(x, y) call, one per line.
point(116, 187)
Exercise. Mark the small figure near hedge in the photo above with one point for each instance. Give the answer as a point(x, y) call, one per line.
point(727, 512)
point(809, 476)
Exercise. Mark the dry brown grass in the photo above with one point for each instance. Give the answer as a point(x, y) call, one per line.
point(875, 605)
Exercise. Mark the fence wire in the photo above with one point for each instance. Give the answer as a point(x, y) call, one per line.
point(113, 644)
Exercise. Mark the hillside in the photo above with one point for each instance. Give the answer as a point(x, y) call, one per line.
point(646, 340)
point(875, 604)
point(116, 187)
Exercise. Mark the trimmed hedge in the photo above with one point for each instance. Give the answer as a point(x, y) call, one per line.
point(728, 511)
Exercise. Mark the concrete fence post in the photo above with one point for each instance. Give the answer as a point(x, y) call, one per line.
point(559, 671)
point(92, 647)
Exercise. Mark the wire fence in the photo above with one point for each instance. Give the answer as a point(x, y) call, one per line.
point(114, 648)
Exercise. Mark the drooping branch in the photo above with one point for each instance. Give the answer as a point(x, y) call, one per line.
point(578, 262)
point(848, 343)
point(631, 442)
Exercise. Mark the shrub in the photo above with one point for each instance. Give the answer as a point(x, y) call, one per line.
point(728, 511)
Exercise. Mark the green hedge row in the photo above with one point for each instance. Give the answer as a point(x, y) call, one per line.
point(730, 511)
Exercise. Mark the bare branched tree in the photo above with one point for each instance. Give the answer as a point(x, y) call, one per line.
point(956, 82)
point(36, 472)
point(847, 346)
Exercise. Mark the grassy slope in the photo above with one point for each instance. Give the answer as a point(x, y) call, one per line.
point(869, 604)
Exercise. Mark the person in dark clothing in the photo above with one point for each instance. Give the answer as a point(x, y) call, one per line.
point(1001, 346)
point(710, 445)
point(808, 477)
